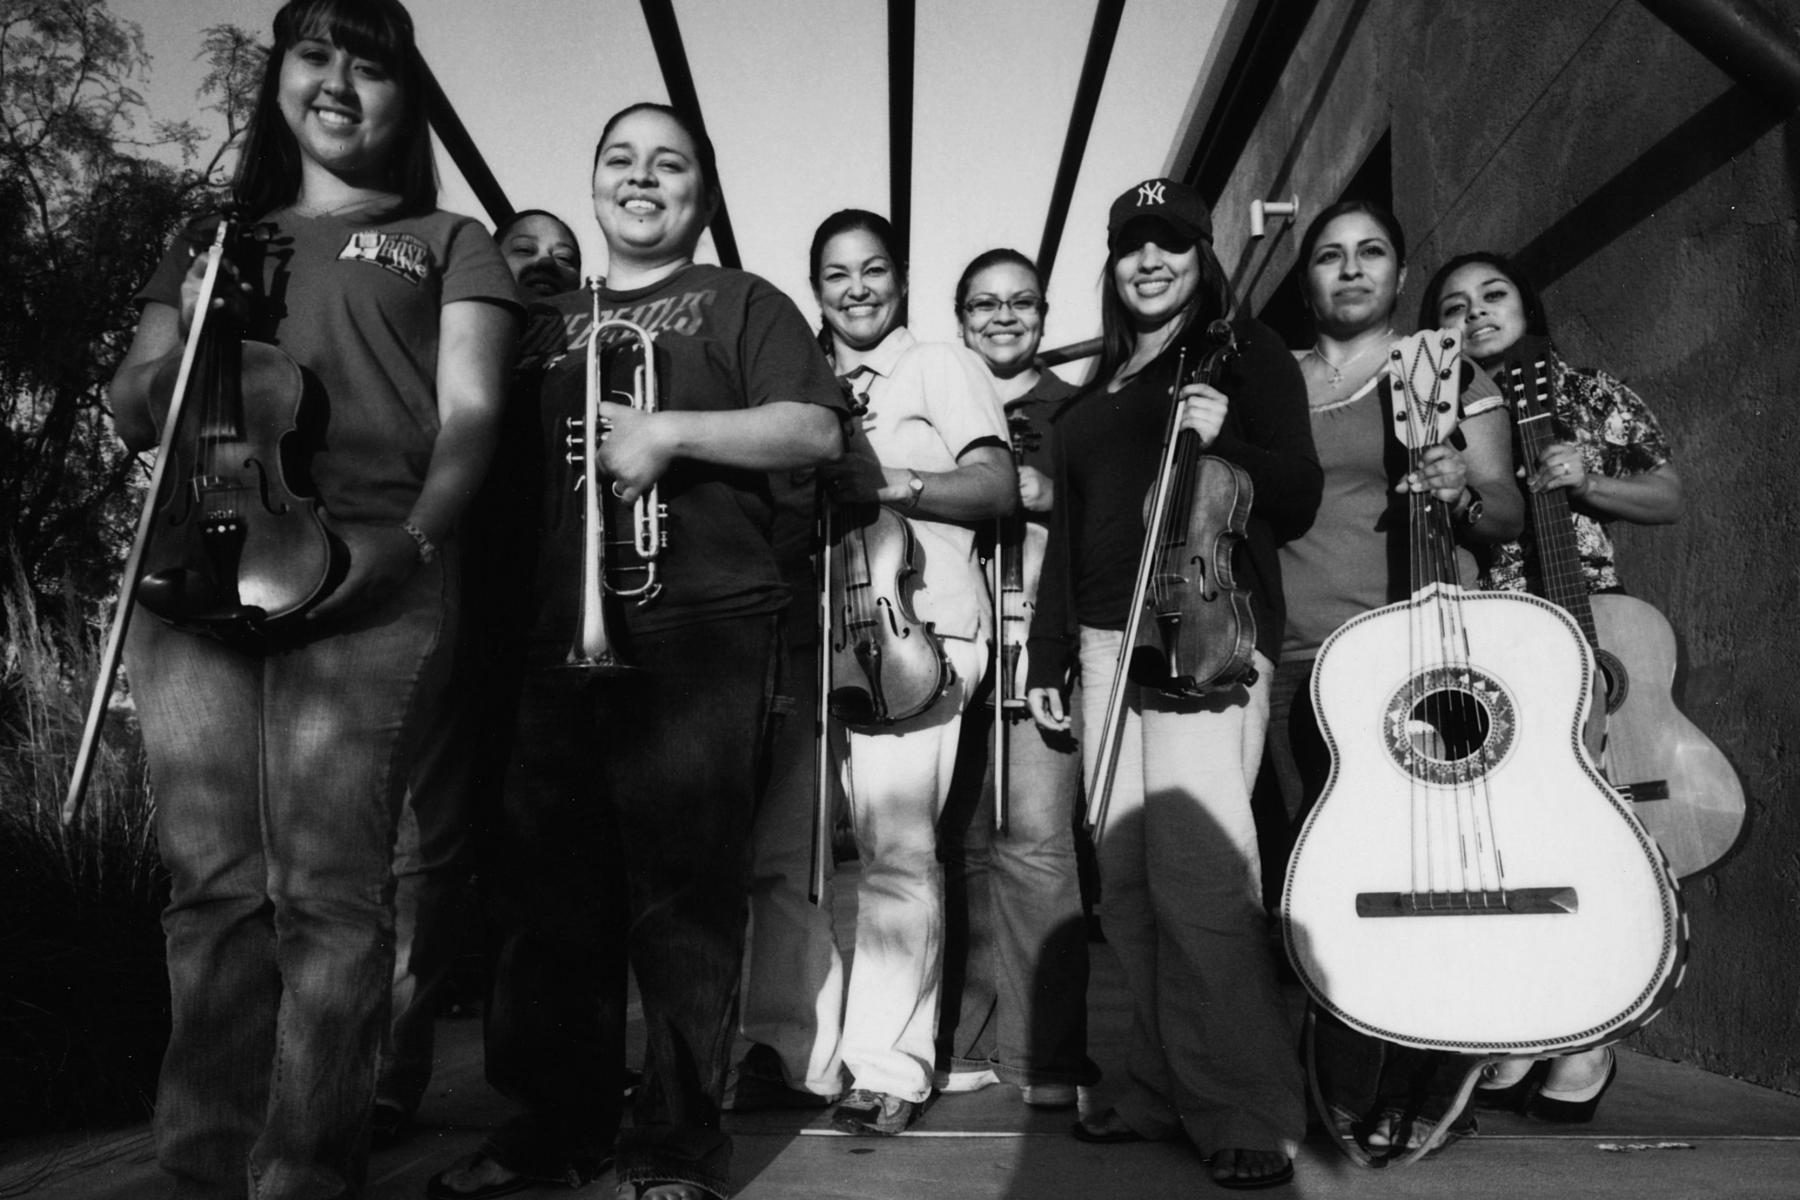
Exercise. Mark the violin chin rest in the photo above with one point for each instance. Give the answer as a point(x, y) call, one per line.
point(187, 597)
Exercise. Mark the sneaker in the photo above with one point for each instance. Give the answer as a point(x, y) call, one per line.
point(761, 1086)
point(963, 1079)
point(1050, 1095)
point(865, 1112)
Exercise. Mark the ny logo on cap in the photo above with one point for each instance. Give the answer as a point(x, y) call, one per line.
point(1149, 193)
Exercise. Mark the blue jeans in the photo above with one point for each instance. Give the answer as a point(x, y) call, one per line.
point(278, 779)
point(630, 796)
point(1015, 942)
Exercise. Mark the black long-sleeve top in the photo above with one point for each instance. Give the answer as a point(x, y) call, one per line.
point(1105, 456)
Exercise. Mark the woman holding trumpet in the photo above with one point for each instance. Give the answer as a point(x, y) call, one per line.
point(653, 766)
point(1212, 1055)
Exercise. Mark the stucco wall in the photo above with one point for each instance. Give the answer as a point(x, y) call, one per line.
point(1661, 199)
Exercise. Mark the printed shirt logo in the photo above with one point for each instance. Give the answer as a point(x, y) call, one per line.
point(402, 253)
point(1149, 193)
point(686, 313)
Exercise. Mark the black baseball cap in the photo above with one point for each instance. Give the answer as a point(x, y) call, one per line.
point(1169, 201)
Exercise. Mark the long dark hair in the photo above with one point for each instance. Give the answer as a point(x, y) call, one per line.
point(268, 171)
point(690, 125)
point(844, 220)
point(1212, 300)
point(1537, 322)
point(1000, 256)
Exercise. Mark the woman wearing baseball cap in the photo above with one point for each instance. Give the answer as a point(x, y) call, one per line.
point(1212, 1052)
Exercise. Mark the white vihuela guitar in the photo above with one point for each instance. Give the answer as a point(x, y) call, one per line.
point(1468, 880)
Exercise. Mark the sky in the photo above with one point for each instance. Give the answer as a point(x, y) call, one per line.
point(794, 94)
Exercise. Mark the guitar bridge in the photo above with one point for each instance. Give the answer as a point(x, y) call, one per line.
point(1553, 901)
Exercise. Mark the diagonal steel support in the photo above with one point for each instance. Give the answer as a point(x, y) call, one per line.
point(1107, 15)
point(678, 78)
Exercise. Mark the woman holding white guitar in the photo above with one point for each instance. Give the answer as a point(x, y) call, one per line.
point(1354, 559)
point(1610, 458)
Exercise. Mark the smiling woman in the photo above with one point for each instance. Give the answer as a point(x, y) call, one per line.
point(1212, 1055)
point(274, 758)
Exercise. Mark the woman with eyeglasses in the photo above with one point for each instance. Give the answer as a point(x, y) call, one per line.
point(938, 435)
point(1212, 1053)
point(1014, 1008)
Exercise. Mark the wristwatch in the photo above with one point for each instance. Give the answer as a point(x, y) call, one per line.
point(915, 487)
point(1471, 515)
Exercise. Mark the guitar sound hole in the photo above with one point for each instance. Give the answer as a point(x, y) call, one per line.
point(1449, 725)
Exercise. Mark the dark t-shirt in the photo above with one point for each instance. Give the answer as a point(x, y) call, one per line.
point(355, 303)
point(1105, 455)
point(723, 340)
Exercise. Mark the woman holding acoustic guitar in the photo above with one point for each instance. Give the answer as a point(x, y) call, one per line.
point(280, 755)
point(1355, 559)
point(1611, 458)
point(1212, 1052)
point(942, 462)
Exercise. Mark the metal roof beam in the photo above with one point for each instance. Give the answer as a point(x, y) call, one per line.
point(678, 79)
point(1107, 15)
point(461, 148)
point(902, 23)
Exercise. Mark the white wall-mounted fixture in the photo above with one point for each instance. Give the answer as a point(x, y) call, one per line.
point(1262, 210)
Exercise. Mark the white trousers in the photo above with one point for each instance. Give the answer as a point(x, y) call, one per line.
point(897, 780)
point(1212, 1051)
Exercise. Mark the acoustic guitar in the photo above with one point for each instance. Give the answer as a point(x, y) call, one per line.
point(1468, 881)
point(1681, 786)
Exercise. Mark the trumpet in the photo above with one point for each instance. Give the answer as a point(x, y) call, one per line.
point(593, 647)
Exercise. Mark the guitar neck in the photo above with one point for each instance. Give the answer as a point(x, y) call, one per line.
point(1558, 560)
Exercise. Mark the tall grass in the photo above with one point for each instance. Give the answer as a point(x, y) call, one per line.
point(84, 1007)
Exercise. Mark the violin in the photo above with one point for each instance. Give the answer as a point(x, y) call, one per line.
point(886, 665)
point(1191, 631)
point(881, 663)
point(1016, 541)
point(222, 545)
point(1200, 635)
point(233, 551)
point(1012, 583)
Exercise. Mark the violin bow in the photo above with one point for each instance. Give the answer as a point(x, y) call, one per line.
point(134, 562)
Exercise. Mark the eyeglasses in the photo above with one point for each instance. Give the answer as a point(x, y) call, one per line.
point(986, 308)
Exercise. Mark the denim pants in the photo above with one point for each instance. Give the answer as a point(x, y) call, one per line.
point(794, 973)
point(628, 816)
point(897, 780)
point(1212, 1053)
point(278, 780)
point(1015, 944)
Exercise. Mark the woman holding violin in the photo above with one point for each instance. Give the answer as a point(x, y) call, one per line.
point(943, 463)
point(636, 772)
point(1211, 1053)
point(280, 755)
point(1353, 559)
point(1015, 959)
point(1611, 458)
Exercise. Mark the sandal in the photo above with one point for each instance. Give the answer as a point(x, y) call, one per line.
point(481, 1164)
point(642, 1188)
point(1247, 1183)
point(1105, 1128)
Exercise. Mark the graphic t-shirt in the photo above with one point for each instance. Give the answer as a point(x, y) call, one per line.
point(723, 340)
point(355, 303)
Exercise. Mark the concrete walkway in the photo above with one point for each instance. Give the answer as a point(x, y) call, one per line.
point(1665, 1131)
